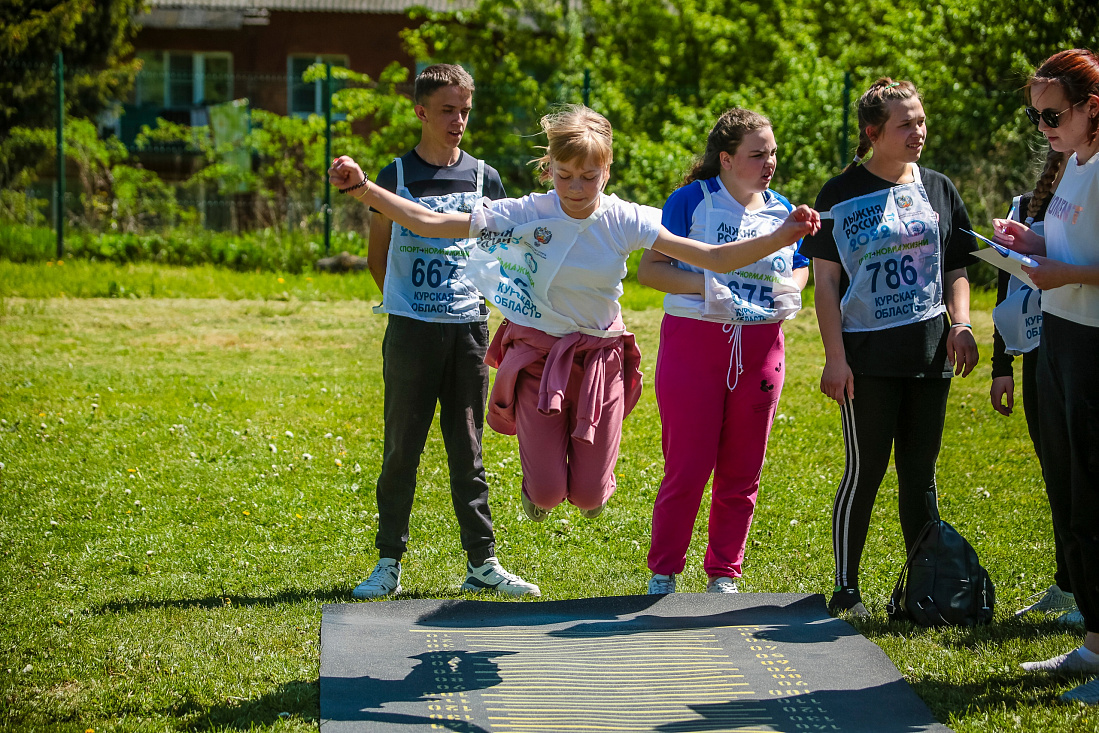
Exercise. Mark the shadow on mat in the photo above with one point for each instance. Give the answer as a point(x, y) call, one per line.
point(814, 711)
point(363, 698)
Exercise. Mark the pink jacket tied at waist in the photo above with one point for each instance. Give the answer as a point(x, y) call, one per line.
point(515, 348)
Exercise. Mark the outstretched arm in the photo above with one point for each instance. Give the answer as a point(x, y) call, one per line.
point(727, 257)
point(345, 172)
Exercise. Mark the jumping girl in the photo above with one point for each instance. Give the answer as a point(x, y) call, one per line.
point(892, 302)
point(1064, 98)
point(720, 368)
point(553, 264)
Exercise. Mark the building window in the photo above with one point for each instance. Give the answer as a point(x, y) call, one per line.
point(307, 98)
point(181, 79)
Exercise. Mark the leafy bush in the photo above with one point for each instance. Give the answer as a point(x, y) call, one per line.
point(266, 249)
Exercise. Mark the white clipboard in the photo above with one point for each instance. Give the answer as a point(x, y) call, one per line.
point(1004, 259)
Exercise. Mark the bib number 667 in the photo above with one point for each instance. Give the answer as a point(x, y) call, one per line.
point(431, 272)
point(895, 272)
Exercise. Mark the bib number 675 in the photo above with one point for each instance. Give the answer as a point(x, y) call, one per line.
point(895, 272)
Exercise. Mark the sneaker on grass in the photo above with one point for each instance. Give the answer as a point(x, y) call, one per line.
point(1052, 600)
point(593, 513)
point(849, 601)
point(492, 577)
point(385, 579)
point(534, 512)
point(1072, 618)
point(1066, 664)
point(1087, 693)
point(722, 584)
point(661, 584)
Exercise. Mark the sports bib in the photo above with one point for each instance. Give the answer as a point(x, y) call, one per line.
point(762, 292)
point(1018, 317)
point(515, 266)
point(888, 243)
point(425, 277)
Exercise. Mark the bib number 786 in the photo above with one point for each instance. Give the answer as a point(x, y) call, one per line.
point(896, 271)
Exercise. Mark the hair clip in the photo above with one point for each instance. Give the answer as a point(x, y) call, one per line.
point(894, 84)
point(857, 158)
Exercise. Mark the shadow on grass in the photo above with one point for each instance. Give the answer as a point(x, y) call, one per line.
point(997, 692)
point(299, 699)
point(335, 594)
point(962, 637)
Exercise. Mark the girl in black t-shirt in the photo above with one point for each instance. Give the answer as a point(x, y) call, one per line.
point(892, 301)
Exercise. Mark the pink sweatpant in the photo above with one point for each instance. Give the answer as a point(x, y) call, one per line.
point(557, 466)
point(708, 428)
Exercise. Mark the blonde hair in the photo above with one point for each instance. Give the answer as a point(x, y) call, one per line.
point(575, 133)
point(874, 110)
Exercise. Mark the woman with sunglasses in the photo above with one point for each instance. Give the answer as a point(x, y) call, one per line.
point(892, 302)
point(1064, 99)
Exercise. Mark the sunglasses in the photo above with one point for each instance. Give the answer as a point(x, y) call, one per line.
point(1048, 116)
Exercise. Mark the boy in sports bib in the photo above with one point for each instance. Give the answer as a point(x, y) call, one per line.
point(435, 340)
point(1064, 94)
point(553, 264)
point(892, 302)
point(721, 364)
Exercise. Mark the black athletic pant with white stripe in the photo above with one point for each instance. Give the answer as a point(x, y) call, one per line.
point(1068, 401)
point(905, 414)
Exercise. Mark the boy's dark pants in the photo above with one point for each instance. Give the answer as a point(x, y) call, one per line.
point(424, 364)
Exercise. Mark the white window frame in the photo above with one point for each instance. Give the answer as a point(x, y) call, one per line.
point(318, 85)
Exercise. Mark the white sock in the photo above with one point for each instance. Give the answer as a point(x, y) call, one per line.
point(1088, 655)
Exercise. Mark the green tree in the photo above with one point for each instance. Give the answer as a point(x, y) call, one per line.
point(96, 38)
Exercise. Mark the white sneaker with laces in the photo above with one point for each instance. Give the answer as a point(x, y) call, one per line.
point(1066, 664)
point(661, 584)
point(385, 579)
point(1052, 600)
point(1087, 693)
point(1072, 618)
point(492, 576)
point(722, 584)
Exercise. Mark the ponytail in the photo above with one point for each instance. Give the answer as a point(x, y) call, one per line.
point(874, 110)
point(1043, 190)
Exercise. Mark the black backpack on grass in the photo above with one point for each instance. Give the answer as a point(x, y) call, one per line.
point(942, 583)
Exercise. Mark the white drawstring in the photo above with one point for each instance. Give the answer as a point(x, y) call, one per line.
point(733, 329)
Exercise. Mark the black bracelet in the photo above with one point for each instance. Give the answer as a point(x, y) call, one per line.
point(360, 184)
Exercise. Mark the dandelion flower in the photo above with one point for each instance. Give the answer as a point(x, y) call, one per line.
point(281, 281)
point(247, 513)
point(132, 470)
point(339, 462)
point(298, 516)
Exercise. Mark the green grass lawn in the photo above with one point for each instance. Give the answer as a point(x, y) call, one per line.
point(166, 544)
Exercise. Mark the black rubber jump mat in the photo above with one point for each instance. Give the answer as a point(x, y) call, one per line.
point(677, 663)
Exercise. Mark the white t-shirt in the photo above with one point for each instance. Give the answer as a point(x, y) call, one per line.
point(1072, 236)
point(588, 284)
